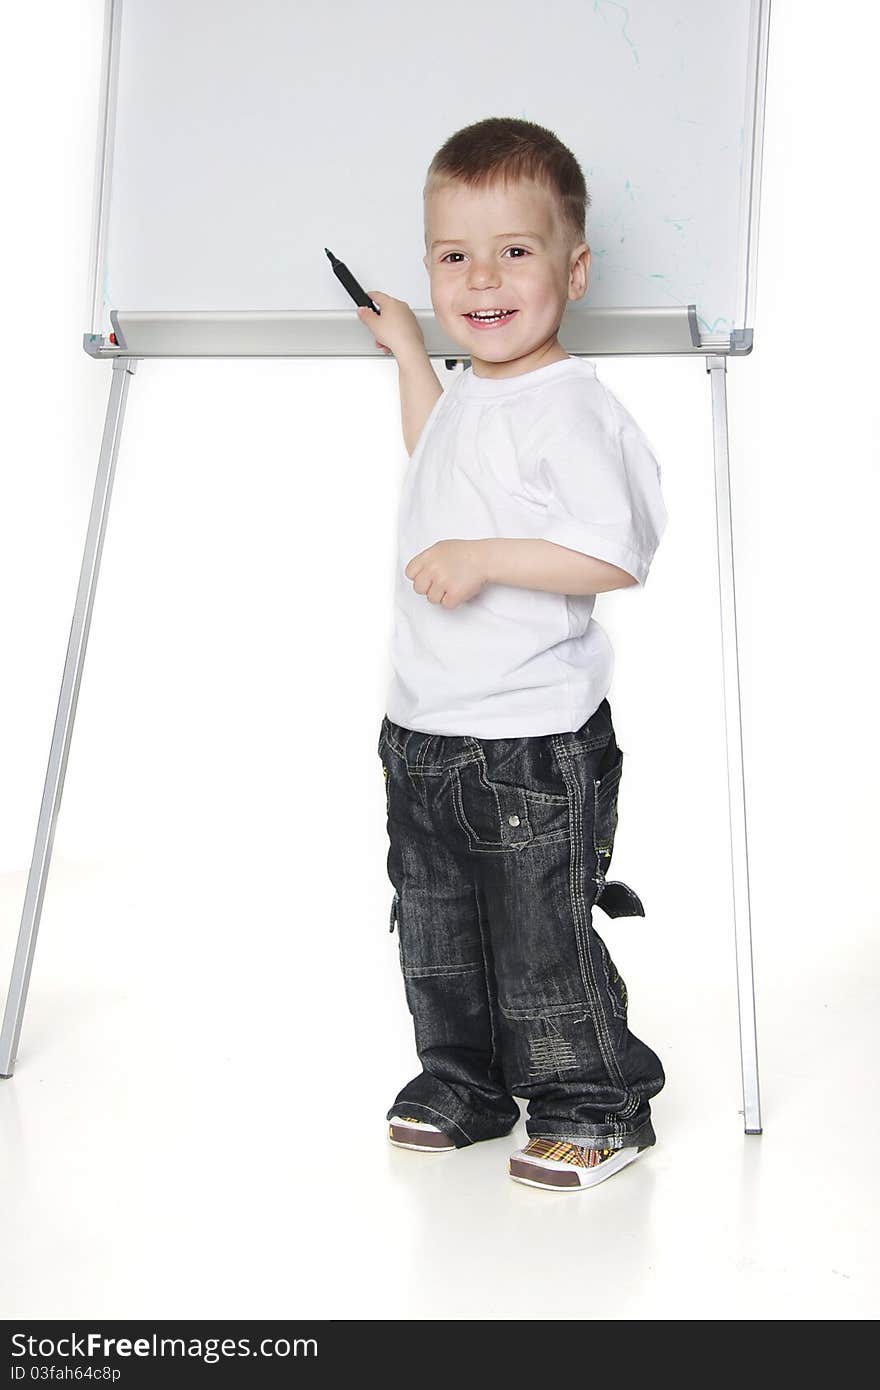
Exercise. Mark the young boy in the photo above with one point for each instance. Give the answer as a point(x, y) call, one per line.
point(530, 490)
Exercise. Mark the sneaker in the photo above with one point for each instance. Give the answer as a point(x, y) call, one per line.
point(408, 1133)
point(562, 1165)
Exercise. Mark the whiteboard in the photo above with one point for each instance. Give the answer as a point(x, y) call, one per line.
point(237, 140)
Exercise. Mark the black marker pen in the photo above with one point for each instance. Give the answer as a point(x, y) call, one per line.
point(349, 283)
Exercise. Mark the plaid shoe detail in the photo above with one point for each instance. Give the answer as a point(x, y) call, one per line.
point(562, 1151)
point(564, 1164)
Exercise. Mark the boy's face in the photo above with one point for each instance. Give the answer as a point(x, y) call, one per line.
point(495, 249)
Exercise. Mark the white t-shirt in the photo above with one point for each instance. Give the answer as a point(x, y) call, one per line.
point(550, 454)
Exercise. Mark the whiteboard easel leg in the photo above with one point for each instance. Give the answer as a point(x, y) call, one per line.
point(745, 978)
point(123, 369)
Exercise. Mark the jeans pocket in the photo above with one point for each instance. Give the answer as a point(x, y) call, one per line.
point(383, 728)
point(386, 757)
point(615, 985)
point(503, 816)
point(605, 794)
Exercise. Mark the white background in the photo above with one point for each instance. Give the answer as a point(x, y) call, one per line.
point(216, 1022)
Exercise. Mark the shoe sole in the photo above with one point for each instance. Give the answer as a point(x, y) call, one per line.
point(566, 1177)
point(407, 1137)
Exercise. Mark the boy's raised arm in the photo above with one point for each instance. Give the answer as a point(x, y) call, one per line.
point(401, 334)
point(419, 392)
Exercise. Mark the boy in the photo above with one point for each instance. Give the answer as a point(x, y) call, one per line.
point(530, 490)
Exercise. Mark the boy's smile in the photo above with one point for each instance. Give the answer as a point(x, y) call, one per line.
point(503, 254)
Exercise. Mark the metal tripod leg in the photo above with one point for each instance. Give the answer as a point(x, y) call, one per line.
point(123, 369)
point(745, 979)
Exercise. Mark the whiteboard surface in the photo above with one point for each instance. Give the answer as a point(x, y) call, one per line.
point(241, 139)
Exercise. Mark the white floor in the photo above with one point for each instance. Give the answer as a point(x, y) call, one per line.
point(195, 1134)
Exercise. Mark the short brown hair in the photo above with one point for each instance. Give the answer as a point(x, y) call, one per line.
point(503, 149)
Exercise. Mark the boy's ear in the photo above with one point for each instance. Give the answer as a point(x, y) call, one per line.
point(585, 254)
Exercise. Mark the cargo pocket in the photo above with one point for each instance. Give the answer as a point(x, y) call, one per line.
point(616, 986)
point(605, 792)
point(503, 816)
point(615, 898)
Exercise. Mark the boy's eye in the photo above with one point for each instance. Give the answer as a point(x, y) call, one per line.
point(510, 248)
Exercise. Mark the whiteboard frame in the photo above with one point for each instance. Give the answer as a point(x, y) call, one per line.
point(339, 333)
point(753, 140)
point(103, 162)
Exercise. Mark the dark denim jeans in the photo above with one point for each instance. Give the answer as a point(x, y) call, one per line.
point(498, 852)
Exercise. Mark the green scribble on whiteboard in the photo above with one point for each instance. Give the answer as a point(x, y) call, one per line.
point(597, 10)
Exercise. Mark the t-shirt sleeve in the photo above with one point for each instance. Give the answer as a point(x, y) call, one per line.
point(600, 481)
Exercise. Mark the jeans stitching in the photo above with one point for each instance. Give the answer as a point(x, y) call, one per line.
point(553, 1053)
point(420, 756)
point(584, 955)
point(430, 972)
point(548, 1011)
point(629, 1110)
point(490, 786)
point(474, 844)
point(616, 1006)
point(494, 1059)
point(603, 854)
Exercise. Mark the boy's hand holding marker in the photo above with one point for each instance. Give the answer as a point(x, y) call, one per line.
point(396, 322)
point(400, 327)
